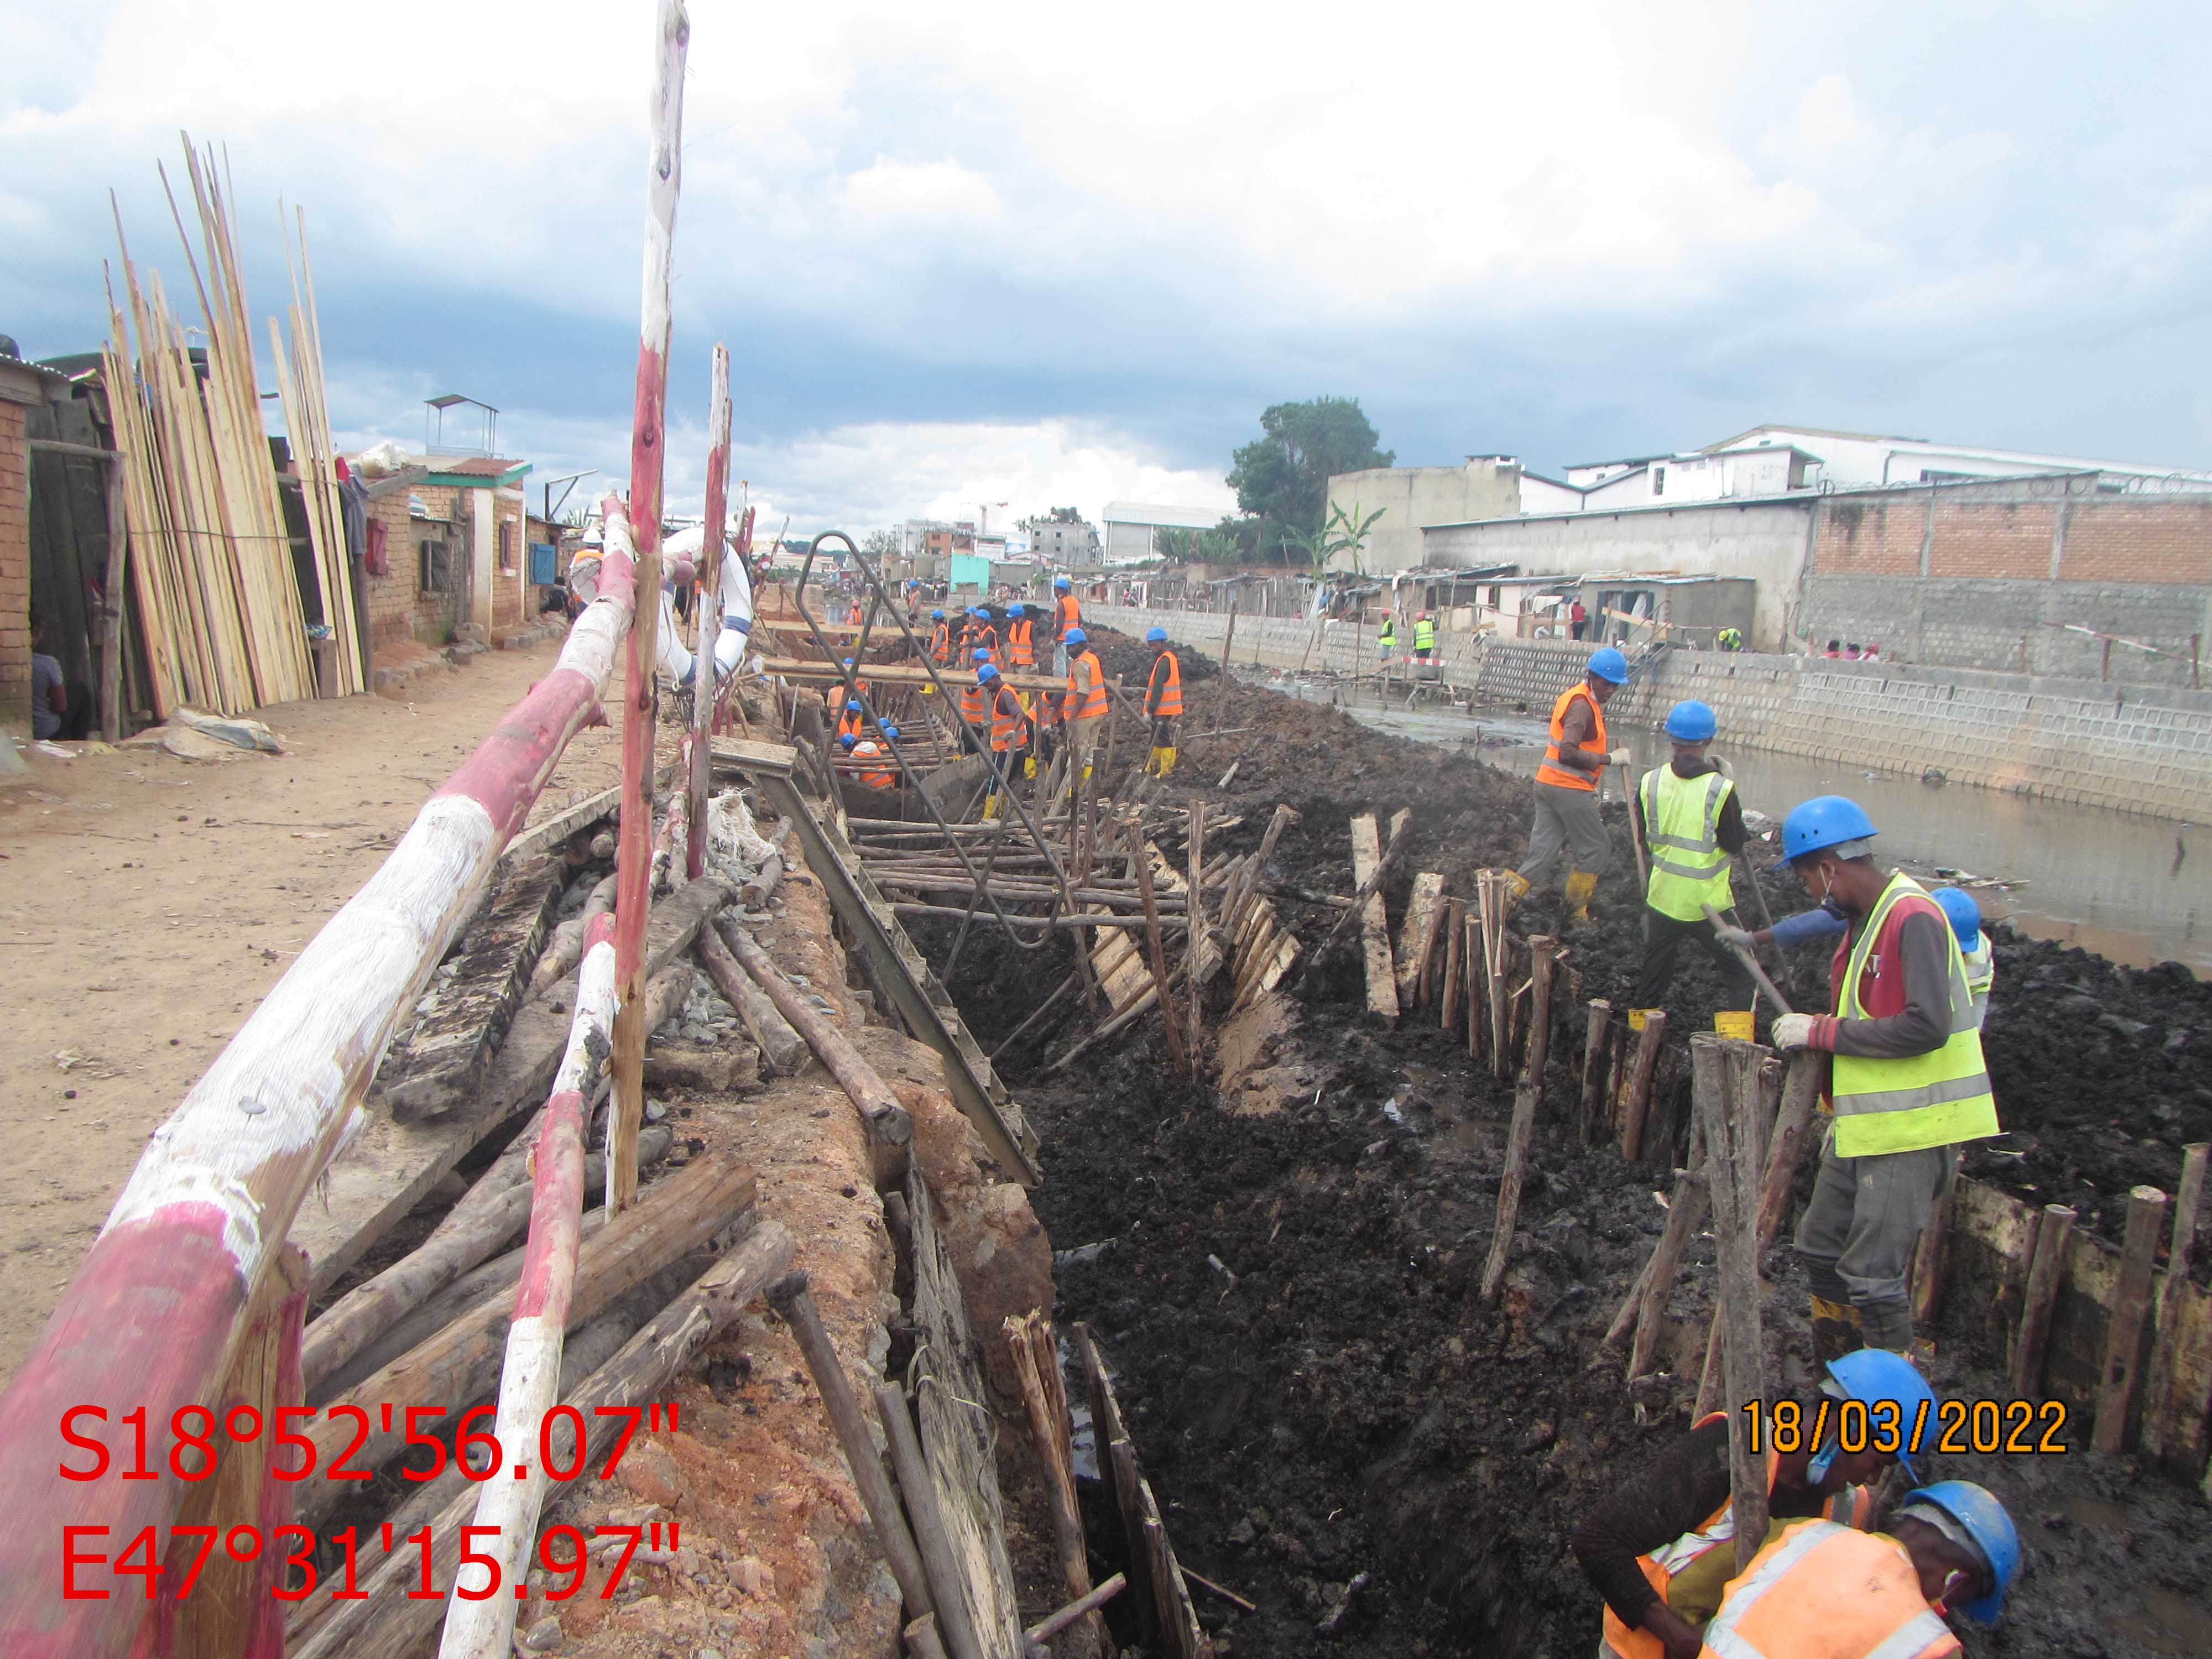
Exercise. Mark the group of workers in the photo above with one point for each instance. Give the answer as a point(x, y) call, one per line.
point(1425, 637)
point(1906, 1087)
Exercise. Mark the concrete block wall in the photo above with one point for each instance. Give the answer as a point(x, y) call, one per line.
point(2132, 748)
point(15, 571)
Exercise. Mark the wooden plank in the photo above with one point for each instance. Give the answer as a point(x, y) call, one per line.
point(747, 755)
point(390, 1166)
point(1417, 941)
point(2131, 1305)
point(812, 673)
point(2173, 1402)
point(1374, 921)
point(542, 837)
point(441, 1066)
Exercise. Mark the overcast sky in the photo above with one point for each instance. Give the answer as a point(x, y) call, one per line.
point(985, 252)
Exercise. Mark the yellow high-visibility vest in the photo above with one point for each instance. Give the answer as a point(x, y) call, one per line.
point(1682, 831)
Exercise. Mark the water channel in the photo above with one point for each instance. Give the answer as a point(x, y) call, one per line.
point(2137, 890)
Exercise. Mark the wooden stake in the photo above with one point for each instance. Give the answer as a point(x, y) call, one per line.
point(1423, 938)
point(1374, 922)
point(1526, 1099)
point(1494, 963)
point(1636, 1103)
point(1595, 1055)
point(1928, 1258)
point(1456, 937)
point(1478, 980)
point(640, 682)
point(2046, 1272)
point(1685, 1213)
point(711, 553)
point(947, 1585)
point(2168, 1420)
point(1725, 1100)
point(1788, 1106)
point(1154, 951)
point(889, 1122)
point(2130, 1304)
point(1036, 1368)
point(1221, 700)
point(111, 595)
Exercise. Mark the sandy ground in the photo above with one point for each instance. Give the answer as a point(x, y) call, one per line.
point(148, 903)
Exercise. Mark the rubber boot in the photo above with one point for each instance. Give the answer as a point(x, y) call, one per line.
point(1580, 885)
point(1086, 772)
point(1029, 767)
point(1835, 1329)
point(1167, 760)
point(1516, 887)
point(1152, 763)
point(990, 806)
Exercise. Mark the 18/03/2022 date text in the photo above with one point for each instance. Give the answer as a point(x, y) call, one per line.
point(563, 1553)
point(195, 1437)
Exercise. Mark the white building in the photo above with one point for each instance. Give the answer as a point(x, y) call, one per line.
point(1131, 527)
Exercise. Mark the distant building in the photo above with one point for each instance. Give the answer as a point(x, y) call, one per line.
point(1132, 527)
point(1411, 498)
point(1061, 542)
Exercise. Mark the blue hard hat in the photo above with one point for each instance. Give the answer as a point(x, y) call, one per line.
point(1061, 582)
point(985, 673)
point(1978, 1511)
point(1822, 822)
point(890, 732)
point(937, 615)
point(848, 740)
point(1155, 636)
point(1077, 636)
point(852, 705)
point(1015, 609)
point(1965, 915)
point(982, 654)
point(978, 611)
point(1693, 721)
point(1609, 664)
point(1876, 1375)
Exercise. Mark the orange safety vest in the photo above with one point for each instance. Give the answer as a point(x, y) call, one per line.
point(1066, 613)
point(985, 638)
point(876, 777)
point(1853, 1506)
point(1093, 706)
point(975, 703)
point(1164, 701)
point(1019, 651)
point(1824, 1591)
point(853, 722)
point(853, 615)
point(1008, 729)
point(940, 644)
point(1553, 771)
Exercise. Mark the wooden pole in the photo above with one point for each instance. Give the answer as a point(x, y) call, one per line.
point(641, 682)
point(1424, 929)
point(1089, 1602)
point(1526, 1099)
point(1221, 699)
point(933, 1541)
point(1776, 1103)
point(711, 555)
point(1685, 1213)
point(479, 1624)
point(2130, 1304)
point(2168, 1422)
point(111, 595)
point(1751, 964)
point(1036, 1368)
point(1636, 1103)
point(1595, 1055)
point(1455, 963)
point(2046, 1270)
point(1725, 1102)
point(889, 1122)
point(1374, 923)
point(780, 1045)
point(1142, 858)
point(1477, 979)
point(1494, 963)
point(1194, 940)
point(1927, 1259)
point(792, 1298)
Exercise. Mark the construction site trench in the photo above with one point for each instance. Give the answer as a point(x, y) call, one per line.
point(1281, 1252)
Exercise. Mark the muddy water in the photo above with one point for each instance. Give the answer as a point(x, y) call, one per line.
point(2136, 890)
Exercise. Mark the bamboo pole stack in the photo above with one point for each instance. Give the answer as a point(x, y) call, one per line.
point(210, 568)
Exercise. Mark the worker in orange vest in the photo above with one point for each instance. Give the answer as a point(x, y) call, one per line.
point(981, 636)
point(1567, 818)
point(1021, 652)
point(1084, 707)
point(1163, 701)
point(1819, 1590)
point(852, 617)
point(1067, 616)
point(884, 775)
point(853, 722)
point(940, 647)
point(975, 709)
point(1010, 734)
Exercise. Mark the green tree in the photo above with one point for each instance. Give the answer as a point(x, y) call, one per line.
point(880, 545)
point(1345, 532)
point(1282, 477)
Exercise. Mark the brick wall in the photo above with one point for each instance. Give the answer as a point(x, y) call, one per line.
point(1991, 574)
point(15, 572)
point(2133, 748)
point(398, 609)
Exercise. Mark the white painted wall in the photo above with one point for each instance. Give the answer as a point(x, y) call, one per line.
point(1544, 496)
point(483, 544)
point(1413, 497)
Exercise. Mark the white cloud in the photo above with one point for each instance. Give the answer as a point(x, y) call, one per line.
point(943, 191)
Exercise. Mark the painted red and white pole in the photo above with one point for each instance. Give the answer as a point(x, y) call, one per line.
point(704, 677)
point(148, 1320)
point(641, 700)
point(480, 1624)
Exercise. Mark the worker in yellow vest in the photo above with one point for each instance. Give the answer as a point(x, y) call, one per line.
point(1907, 1082)
point(1163, 701)
point(1660, 1544)
point(1082, 710)
point(1691, 823)
point(1425, 636)
point(1387, 638)
point(1818, 1590)
point(1567, 818)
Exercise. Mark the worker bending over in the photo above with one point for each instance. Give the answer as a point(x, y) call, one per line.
point(879, 770)
point(1818, 1590)
point(1082, 710)
point(1660, 1546)
point(975, 710)
point(1066, 618)
point(1010, 735)
point(1692, 824)
point(1163, 701)
point(1907, 1080)
point(1567, 818)
point(1973, 945)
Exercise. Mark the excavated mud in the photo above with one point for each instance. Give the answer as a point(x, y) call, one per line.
point(1290, 1298)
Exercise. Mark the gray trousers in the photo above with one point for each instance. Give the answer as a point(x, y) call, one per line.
point(1566, 818)
point(1856, 1234)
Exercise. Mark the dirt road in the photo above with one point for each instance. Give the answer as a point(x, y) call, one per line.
point(147, 904)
